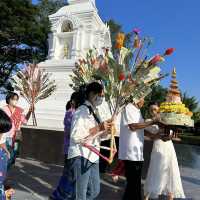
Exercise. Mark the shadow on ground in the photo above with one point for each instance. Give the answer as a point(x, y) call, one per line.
point(34, 177)
point(37, 180)
point(34, 180)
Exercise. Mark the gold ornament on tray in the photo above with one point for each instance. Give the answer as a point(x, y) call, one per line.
point(173, 111)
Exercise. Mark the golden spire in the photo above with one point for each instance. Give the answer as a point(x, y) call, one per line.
point(174, 90)
point(174, 73)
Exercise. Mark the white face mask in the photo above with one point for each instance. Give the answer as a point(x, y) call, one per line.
point(98, 101)
point(13, 102)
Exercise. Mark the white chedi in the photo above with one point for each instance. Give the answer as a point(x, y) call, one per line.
point(79, 27)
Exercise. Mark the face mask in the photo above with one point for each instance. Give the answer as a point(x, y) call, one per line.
point(98, 101)
point(13, 102)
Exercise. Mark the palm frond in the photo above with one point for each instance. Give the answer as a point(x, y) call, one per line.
point(34, 84)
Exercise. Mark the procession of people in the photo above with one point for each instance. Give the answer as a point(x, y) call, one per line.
point(84, 125)
point(81, 180)
point(106, 103)
point(81, 92)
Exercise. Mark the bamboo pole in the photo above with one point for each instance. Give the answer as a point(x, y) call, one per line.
point(113, 148)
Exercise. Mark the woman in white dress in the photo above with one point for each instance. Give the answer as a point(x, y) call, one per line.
point(163, 176)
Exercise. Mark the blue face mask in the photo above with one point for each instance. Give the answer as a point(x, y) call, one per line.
point(98, 101)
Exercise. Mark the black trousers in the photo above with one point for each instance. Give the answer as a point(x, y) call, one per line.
point(133, 173)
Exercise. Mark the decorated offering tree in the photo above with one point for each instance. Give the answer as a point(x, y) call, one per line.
point(173, 111)
point(34, 84)
point(127, 76)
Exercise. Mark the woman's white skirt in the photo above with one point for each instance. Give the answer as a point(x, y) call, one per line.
point(163, 175)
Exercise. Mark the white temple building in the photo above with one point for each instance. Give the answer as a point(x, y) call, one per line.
point(75, 29)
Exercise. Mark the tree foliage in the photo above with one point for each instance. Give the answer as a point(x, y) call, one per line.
point(24, 29)
point(17, 27)
point(190, 101)
point(46, 8)
point(196, 116)
point(157, 95)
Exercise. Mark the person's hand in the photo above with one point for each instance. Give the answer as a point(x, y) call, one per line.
point(86, 140)
point(111, 127)
point(115, 178)
point(157, 136)
point(160, 123)
point(166, 138)
point(9, 193)
point(106, 126)
point(176, 139)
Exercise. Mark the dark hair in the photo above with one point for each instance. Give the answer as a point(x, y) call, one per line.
point(94, 87)
point(68, 105)
point(77, 98)
point(5, 122)
point(10, 96)
point(154, 103)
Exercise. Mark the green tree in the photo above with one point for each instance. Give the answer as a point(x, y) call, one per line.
point(196, 116)
point(17, 22)
point(17, 27)
point(157, 95)
point(46, 8)
point(191, 102)
point(24, 29)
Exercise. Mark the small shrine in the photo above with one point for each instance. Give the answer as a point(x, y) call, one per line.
point(76, 28)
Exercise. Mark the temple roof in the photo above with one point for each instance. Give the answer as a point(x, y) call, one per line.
point(76, 7)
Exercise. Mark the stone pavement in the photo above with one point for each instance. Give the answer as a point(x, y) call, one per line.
point(34, 180)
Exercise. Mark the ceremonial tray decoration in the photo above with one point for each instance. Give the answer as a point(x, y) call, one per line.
point(173, 112)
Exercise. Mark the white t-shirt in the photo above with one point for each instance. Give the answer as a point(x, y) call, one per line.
point(104, 111)
point(131, 142)
point(105, 114)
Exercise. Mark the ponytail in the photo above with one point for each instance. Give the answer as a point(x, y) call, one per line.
point(68, 105)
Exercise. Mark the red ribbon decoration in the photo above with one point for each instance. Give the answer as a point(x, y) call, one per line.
point(93, 149)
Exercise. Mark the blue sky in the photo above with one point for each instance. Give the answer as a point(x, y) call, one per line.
point(171, 23)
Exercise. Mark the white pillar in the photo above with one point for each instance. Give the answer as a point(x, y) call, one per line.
point(91, 38)
point(52, 44)
point(74, 45)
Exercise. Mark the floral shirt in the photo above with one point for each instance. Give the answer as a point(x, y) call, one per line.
point(17, 118)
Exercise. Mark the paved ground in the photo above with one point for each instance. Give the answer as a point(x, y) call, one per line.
point(35, 181)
